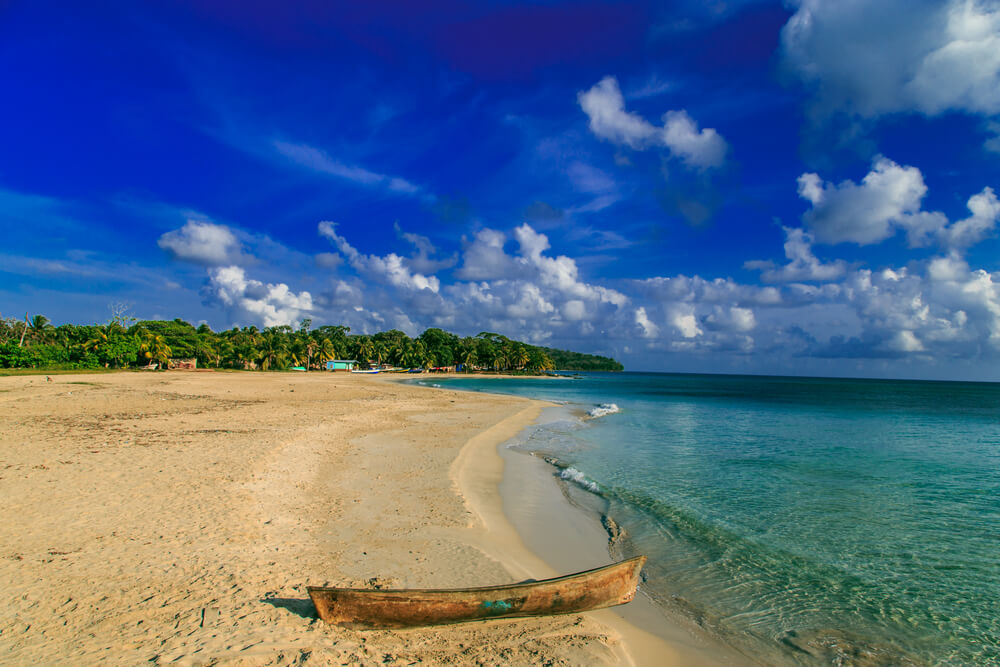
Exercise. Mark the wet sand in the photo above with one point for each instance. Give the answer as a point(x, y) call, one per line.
point(178, 517)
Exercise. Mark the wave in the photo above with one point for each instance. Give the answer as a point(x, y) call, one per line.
point(581, 480)
point(603, 410)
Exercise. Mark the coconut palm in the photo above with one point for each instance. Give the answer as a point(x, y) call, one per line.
point(272, 351)
point(468, 355)
point(311, 348)
point(366, 349)
point(520, 357)
point(40, 329)
point(153, 347)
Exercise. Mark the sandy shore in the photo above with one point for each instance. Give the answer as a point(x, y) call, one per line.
point(178, 517)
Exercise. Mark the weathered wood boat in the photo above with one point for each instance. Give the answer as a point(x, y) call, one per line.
point(372, 608)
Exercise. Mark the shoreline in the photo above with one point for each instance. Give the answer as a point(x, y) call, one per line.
point(480, 472)
point(540, 533)
point(177, 517)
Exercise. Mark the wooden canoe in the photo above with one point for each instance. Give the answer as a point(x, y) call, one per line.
point(371, 608)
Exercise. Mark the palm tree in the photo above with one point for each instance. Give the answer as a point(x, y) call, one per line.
point(40, 328)
point(520, 357)
point(97, 341)
point(272, 350)
point(366, 349)
point(378, 352)
point(327, 350)
point(153, 346)
point(468, 356)
point(311, 347)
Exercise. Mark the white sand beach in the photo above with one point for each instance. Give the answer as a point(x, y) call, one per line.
point(177, 517)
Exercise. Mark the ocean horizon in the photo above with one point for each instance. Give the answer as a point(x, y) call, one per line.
point(798, 520)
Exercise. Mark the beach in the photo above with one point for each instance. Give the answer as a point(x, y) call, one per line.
point(178, 517)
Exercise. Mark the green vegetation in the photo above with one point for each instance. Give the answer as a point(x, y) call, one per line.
point(125, 343)
point(575, 361)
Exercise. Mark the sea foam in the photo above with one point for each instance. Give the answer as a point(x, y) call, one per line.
point(603, 410)
point(578, 478)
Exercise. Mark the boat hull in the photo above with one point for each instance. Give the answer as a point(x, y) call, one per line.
point(366, 608)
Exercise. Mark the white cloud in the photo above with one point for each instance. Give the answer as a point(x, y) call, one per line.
point(390, 268)
point(924, 311)
point(967, 232)
point(874, 57)
point(803, 265)
point(702, 149)
point(889, 198)
point(649, 330)
point(864, 213)
point(559, 272)
point(202, 242)
point(686, 323)
point(484, 258)
point(574, 310)
point(731, 318)
point(315, 159)
point(604, 105)
point(268, 304)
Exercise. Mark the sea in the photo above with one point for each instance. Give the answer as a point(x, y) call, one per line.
point(796, 520)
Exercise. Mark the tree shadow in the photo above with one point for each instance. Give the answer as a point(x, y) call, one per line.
point(299, 606)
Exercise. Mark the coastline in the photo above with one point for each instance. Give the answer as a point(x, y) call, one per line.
point(178, 517)
point(540, 532)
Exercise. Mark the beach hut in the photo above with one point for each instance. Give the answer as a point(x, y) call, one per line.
point(341, 365)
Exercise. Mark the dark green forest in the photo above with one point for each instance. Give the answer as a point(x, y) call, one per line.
point(126, 343)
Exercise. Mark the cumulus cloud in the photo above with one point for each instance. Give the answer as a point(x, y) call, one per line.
point(686, 322)
point(604, 105)
point(253, 300)
point(201, 242)
point(874, 57)
point(390, 268)
point(803, 265)
point(701, 149)
point(863, 213)
point(648, 328)
point(938, 308)
point(969, 231)
point(484, 257)
point(887, 199)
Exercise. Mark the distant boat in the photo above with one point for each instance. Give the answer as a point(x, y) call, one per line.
point(415, 370)
point(371, 608)
point(370, 372)
point(298, 368)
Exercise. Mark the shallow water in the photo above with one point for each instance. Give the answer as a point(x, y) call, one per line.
point(811, 521)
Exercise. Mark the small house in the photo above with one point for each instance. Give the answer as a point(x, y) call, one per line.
point(341, 365)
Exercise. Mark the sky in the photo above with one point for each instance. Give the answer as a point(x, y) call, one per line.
point(797, 188)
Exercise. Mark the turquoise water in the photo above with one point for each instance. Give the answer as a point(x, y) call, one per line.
point(804, 521)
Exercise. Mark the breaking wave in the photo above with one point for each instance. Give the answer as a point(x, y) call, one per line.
point(578, 478)
point(603, 410)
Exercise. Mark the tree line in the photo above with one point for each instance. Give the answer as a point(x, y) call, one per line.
point(126, 343)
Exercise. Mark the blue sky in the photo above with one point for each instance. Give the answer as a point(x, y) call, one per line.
point(805, 187)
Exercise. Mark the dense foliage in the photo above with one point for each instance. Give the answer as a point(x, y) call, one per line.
point(124, 343)
point(577, 361)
